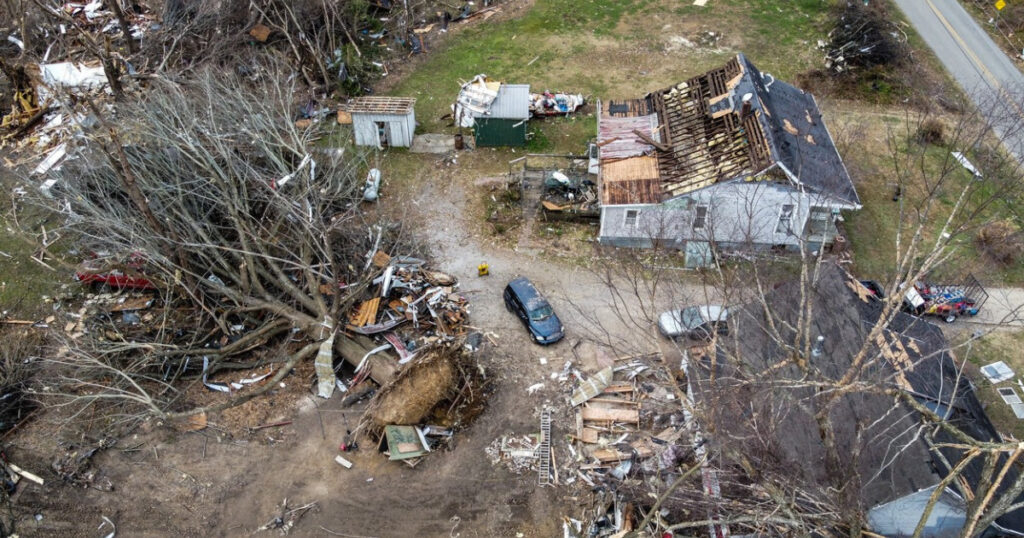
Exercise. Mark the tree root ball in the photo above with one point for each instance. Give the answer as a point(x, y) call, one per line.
point(417, 390)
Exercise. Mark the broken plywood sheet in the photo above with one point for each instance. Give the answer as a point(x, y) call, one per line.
point(605, 455)
point(592, 387)
point(610, 413)
point(133, 303)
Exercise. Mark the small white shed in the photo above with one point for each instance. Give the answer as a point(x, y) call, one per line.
point(383, 121)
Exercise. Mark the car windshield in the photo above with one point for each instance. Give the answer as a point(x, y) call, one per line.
point(690, 317)
point(541, 313)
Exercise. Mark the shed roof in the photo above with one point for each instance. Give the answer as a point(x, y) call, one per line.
point(512, 102)
point(381, 105)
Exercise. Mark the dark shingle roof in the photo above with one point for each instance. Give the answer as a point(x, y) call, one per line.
point(797, 134)
point(708, 137)
point(768, 410)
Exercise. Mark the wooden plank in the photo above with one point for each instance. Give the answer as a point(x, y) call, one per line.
point(134, 303)
point(615, 415)
point(381, 259)
point(589, 435)
point(612, 400)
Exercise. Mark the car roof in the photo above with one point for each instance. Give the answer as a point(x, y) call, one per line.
point(523, 287)
point(528, 294)
point(713, 312)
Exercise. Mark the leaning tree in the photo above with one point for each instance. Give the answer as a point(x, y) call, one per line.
point(247, 220)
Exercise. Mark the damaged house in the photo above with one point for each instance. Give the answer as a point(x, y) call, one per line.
point(759, 407)
point(731, 157)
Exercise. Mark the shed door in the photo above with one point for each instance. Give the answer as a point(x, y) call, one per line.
point(698, 254)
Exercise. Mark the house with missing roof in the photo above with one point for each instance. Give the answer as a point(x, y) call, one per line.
point(732, 157)
point(762, 404)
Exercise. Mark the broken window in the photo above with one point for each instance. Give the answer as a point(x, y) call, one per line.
point(700, 217)
point(820, 222)
point(631, 217)
point(785, 219)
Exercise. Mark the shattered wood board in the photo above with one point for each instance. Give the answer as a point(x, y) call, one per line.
point(609, 414)
point(366, 313)
point(134, 303)
point(589, 435)
point(605, 455)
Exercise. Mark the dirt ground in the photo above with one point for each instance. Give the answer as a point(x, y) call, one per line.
point(226, 481)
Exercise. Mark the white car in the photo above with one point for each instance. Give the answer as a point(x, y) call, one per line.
point(697, 322)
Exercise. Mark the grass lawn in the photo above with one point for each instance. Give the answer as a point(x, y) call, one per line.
point(998, 346)
point(607, 49)
point(613, 49)
point(23, 282)
point(873, 229)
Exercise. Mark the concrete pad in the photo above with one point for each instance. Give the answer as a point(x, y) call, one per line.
point(433, 143)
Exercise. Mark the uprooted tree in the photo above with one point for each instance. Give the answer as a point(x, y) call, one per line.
point(792, 434)
point(240, 217)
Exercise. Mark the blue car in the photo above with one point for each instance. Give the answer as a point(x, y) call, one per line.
point(522, 299)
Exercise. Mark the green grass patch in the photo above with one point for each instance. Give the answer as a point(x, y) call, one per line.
point(612, 49)
point(873, 230)
point(998, 346)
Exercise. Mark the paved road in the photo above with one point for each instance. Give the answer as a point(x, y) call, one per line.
point(992, 80)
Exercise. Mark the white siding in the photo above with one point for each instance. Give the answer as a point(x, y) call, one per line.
point(739, 214)
point(400, 128)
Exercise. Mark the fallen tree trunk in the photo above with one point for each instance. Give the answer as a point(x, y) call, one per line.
point(383, 366)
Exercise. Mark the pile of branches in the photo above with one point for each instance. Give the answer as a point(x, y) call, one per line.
point(865, 37)
point(238, 214)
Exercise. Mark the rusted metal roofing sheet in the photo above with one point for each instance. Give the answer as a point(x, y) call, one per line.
point(617, 140)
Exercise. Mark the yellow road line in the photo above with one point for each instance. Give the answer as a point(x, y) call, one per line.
point(975, 60)
point(963, 46)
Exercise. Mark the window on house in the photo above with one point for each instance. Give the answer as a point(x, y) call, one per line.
point(631, 217)
point(819, 223)
point(700, 217)
point(785, 219)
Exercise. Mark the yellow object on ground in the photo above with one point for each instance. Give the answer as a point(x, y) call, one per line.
point(483, 269)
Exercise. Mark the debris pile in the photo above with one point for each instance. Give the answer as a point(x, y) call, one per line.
point(627, 414)
point(555, 104)
point(570, 193)
point(517, 452)
point(410, 293)
point(75, 466)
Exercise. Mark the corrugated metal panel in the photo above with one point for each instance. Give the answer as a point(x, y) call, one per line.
point(399, 128)
point(512, 102)
point(490, 132)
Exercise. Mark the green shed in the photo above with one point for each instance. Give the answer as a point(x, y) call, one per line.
point(504, 123)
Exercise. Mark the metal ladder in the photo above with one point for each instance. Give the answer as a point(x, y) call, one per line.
point(544, 450)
